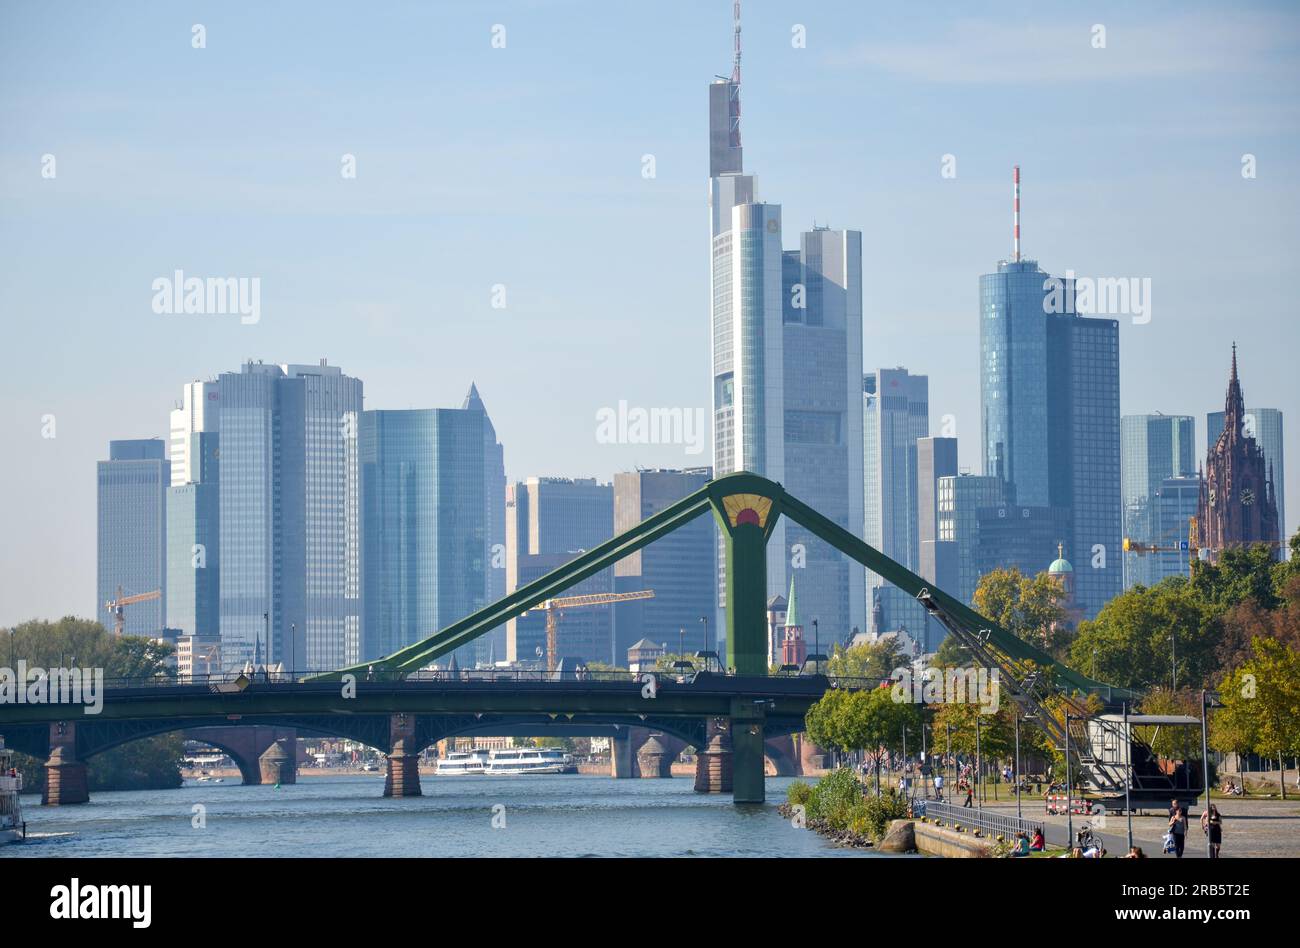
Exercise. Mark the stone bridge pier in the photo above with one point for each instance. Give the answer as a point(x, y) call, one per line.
point(403, 777)
point(262, 754)
point(65, 774)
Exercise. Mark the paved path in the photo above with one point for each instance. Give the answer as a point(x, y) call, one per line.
point(1250, 828)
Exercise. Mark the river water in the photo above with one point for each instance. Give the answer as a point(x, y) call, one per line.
point(570, 815)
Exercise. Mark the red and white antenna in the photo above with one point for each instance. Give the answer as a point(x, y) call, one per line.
point(735, 65)
point(1015, 215)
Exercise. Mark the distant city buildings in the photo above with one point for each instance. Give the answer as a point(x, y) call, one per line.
point(1049, 410)
point(1265, 426)
point(290, 503)
point(194, 539)
point(680, 568)
point(896, 416)
point(549, 521)
point(786, 338)
point(961, 498)
point(131, 536)
point(1153, 449)
point(1237, 505)
point(429, 481)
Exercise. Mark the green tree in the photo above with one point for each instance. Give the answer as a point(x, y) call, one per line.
point(1029, 608)
point(1238, 574)
point(871, 660)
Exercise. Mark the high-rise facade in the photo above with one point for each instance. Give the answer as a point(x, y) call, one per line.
point(1265, 426)
point(428, 480)
point(193, 540)
point(1049, 416)
point(896, 414)
point(290, 509)
point(679, 567)
point(935, 458)
point(786, 338)
point(1238, 499)
point(549, 521)
point(494, 499)
point(960, 500)
point(131, 534)
point(1175, 504)
point(1153, 448)
point(199, 410)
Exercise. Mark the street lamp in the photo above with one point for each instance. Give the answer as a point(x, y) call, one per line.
point(704, 639)
point(293, 634)
point(817, 648)
point(1128, 777)
point(1069, 809)
point(979, 768)
point(1173, 659)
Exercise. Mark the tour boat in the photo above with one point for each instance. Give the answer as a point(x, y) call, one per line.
point(530, 760)
point(12, 827)
point(460, 763)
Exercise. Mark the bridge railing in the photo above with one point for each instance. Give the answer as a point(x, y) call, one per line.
point(260, 676)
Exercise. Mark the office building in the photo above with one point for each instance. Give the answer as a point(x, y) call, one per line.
point(131, 536)
point(1153, 449)
point(198, 411)
point(194, 541)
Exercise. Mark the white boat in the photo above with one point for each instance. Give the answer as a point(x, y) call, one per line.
point(460, 763)
point(530, 760)
point(12, 827)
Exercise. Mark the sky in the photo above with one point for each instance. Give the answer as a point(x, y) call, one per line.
point(521, 165)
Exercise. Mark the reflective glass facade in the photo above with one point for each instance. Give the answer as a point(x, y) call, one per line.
point(290, 500)
point(131, 535)
point(194, 543)
point(1153, 448)
point(426, 515)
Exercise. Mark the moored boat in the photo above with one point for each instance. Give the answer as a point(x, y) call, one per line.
point(462, 763)
point(530, 760)
point(12, 827)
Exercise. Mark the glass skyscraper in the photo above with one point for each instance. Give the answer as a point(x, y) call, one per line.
point(1267, 425)
point(131, 534)
point(1049, 417)
point(290, 513)
point(960, 500)
point(426, 500)
point(786, 335)
point(1153, 448)
point(193, 541)
point(896, 413)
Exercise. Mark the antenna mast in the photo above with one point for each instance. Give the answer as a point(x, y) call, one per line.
point(1015, 214)
point(735, 78)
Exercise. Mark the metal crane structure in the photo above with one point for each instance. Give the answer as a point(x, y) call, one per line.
point(554, 609)
point(117, 606)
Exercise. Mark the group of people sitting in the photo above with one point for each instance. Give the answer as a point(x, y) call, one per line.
point(1024, 845)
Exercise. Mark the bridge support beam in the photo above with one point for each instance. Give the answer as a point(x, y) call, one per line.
point(403, 777)
point(747, 765)
point(277, 764)
point(620, 755)
point(746, 545)
point(713, 762)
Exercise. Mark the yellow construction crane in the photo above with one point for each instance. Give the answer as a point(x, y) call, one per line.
point(554, 608)
point(116, 606)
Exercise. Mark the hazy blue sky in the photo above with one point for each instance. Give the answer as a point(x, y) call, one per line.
point(522, 166)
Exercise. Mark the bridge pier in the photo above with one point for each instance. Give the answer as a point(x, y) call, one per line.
point(653, 759)
point(403, 776)
point(713, 762)
point(277, 764)
point(747, 764)
point(65, 778)
point(620, 755)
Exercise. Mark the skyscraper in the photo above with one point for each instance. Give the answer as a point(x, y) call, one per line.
point(428, 480)
point(199, 410)
point(1049, 414)
point(290, 501)
point(1238, 502)
point(494, 498)
point(896, 413)
point(131, 538)
point(1265, 425)
point(1153, 448)
point(549, 521)
point(935, 458)
point(786, 337)
point(193, 540)
point(961, 498)
point(679, 567)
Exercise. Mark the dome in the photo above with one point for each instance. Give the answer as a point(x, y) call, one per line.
point(1060, 564)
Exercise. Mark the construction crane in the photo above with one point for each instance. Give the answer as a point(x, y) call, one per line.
point(554, 609)
point(117, 606)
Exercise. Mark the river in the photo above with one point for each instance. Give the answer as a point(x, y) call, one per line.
point(571, 815)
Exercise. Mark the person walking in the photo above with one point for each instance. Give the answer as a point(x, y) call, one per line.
point(938, 787)
point(1212, 825)
point(1178, 827)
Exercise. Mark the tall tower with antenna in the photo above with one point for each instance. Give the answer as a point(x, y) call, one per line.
point(724, 113)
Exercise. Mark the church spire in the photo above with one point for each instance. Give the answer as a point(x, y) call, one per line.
point(791, 610)
point(1234, 407)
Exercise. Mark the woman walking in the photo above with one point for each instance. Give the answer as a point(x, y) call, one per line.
point(1212, 825)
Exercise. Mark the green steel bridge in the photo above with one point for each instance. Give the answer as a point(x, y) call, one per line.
point(396, 704)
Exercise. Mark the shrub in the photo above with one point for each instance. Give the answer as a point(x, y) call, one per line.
point(877, 812)
point(834, 798)
point(798, 794)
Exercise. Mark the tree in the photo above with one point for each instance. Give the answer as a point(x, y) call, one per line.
point(1029, 609)
point(1172, 743)
point(1274, 711)
point(1240, 573)
point(872, 660)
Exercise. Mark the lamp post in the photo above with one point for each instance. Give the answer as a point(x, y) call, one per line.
point(1017, 763)
point(1173, 659)
point(293, 634)
point(948, 756)
point(904, 775)
point(1128, 776)
point(704, 638)
point(817, 648)
point(266, 637)
point(979, 768)
point(1205, 771)
point(1069, 810)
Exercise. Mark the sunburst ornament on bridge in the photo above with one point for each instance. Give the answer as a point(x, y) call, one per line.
point(747, 508)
